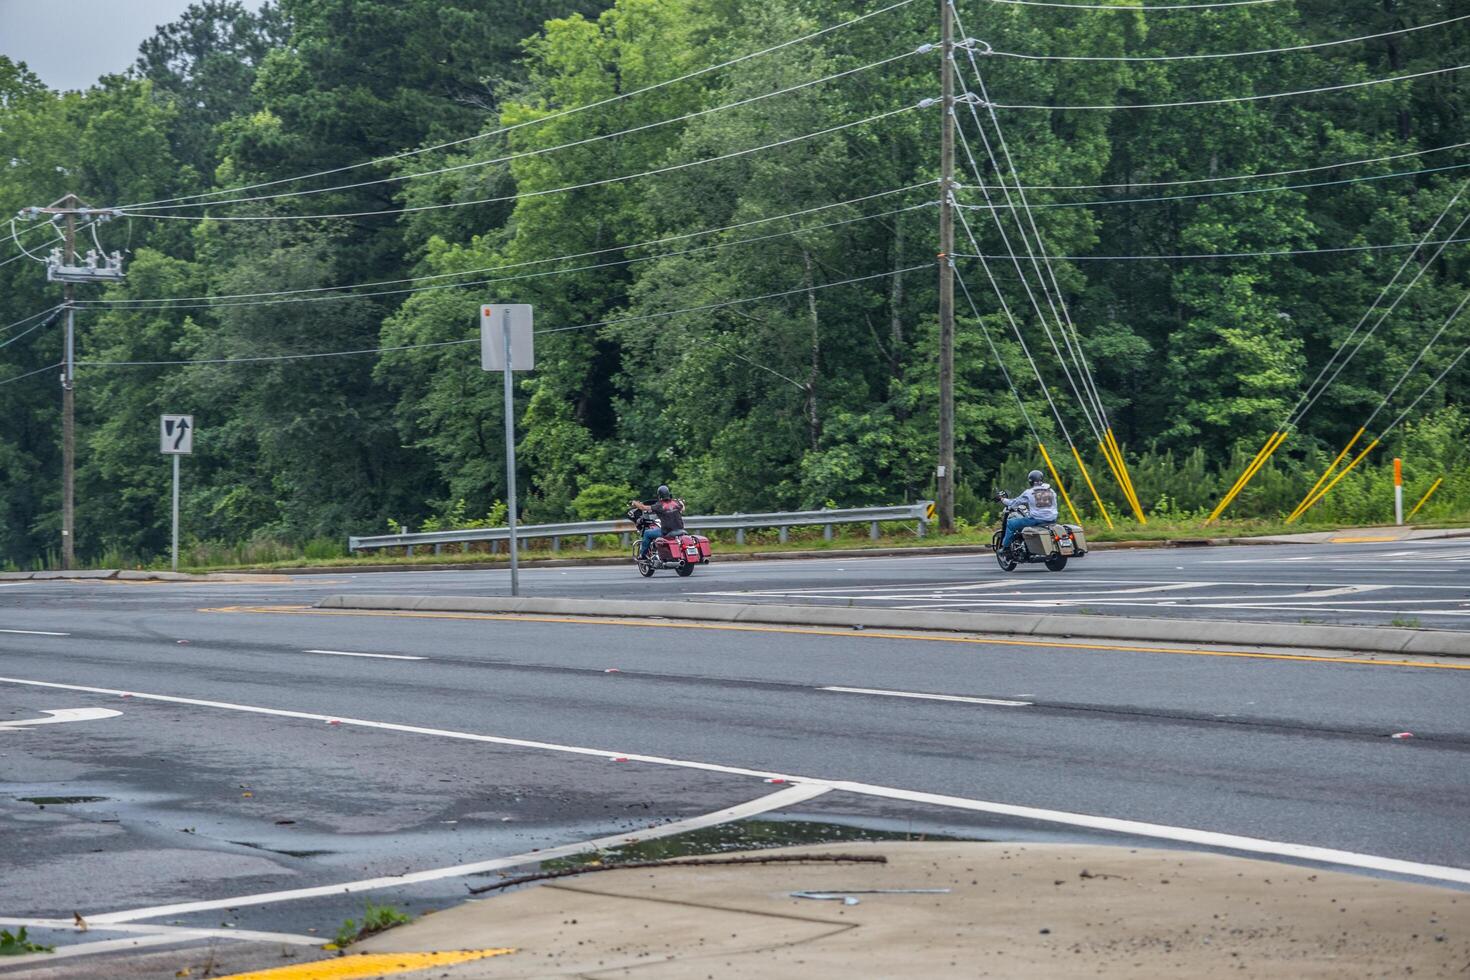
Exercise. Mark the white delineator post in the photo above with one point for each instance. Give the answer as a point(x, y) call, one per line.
point(1398, 490)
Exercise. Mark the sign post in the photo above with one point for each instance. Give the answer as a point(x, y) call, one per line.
point(507, 344)
point(176, 438)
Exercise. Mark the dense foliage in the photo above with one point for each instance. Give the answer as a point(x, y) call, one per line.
point(804, 370)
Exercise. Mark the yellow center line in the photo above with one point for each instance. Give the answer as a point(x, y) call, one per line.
point(364, 965)
point(817, 631)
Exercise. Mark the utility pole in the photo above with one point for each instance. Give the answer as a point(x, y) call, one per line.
point(944, 472)
point(62, 267)
point(68, 396)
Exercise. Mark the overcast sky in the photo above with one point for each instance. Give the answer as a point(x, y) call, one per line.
point(105, 35)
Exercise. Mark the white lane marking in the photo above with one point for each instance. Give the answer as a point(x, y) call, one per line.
point(101, 946)
point(790, 796)
point(375, 656)
point(928, 697)
point(1187, 835)
point(183, 932)
point(34, 633)
point(61, 715)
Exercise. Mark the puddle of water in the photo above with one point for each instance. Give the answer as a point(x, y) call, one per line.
point(742, 835)
point(61, 800)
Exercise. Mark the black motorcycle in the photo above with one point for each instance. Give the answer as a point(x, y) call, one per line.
point(1051, 545)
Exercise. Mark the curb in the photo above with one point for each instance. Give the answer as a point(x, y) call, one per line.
point(131, 575)
point(1357, 639)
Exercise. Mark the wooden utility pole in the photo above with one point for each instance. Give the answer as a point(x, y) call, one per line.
point(68, 397)
point(945, 470)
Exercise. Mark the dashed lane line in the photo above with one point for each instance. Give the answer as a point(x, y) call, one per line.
point(801, 785)
point(844, 633)
point(375, 656)
point(34, 633)
point(1000, 702)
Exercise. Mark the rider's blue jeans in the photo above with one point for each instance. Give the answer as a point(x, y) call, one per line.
point(649, 537)
point(1015, 524)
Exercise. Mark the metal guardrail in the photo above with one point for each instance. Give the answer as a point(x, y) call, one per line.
point(589, 530)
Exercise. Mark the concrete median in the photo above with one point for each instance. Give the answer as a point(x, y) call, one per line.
point(1355, 639)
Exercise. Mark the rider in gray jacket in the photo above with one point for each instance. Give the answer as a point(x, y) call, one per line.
point(1041, 503)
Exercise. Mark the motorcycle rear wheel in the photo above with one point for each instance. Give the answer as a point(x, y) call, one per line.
point(1056, 563)
point(685, 569)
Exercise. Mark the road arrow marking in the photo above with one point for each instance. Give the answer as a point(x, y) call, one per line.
point(61, 715)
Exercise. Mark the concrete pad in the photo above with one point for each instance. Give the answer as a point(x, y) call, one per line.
point(1331, 639)
point(1044, 910)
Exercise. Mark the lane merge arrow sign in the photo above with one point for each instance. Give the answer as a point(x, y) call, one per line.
point(176, 435)
point(60, 715)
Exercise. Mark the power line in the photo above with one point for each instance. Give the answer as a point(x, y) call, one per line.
point(924, 49)
point(1239, 193)
point(541, 193)
point(987, 50)
point(1234, 255)
point(27, 319)
point(24, 333)
point(1259, 176)
point(1433, 384)
point(169, 304)
point(1424, 352)
point(25, 255)
point(540, 119)
point(1131, 7)
point(1238, 98)
point(475, 340)
point(30, 374)
point(532, 262)
point(1305, 403)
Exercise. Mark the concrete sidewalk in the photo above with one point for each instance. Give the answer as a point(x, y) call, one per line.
point(1006, 910)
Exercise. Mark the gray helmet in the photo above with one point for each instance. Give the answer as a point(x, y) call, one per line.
point(664, 493)
point(1035, 477)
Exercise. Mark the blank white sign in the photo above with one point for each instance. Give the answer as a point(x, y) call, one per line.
point(492, 337)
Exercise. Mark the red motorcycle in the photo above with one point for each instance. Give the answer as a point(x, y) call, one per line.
point(680, 551)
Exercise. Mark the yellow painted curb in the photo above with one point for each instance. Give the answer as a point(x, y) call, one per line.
point(1362, 540)
point(363, 965)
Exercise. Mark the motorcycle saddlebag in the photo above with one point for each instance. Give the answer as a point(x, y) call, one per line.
point(1076, 536)
point(1039, 541)
point(702, 543)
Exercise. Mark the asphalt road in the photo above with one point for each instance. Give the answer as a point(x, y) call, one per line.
point(1413, 583)
point(461, 739)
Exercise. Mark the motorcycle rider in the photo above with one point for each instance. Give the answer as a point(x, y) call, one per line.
point(670, 513)
point(1041, 503)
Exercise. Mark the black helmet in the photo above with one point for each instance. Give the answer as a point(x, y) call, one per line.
point(1035, 477)
point(664, 493)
